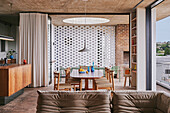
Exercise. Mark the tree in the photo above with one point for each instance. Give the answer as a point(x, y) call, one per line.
point(167, 51)
point(163, 46)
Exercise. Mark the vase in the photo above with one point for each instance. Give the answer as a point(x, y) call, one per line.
point(11, 57)
point(92, 69)
point(88, 69)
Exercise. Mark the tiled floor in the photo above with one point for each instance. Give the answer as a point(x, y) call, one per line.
point(27, 102)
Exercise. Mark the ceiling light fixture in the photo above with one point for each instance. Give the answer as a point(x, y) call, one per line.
point(86, 20)
point(3, 37)
point(84, 49)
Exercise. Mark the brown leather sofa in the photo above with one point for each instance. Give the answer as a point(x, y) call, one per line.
point(102, 102)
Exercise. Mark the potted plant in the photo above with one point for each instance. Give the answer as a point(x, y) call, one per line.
point(10, 53)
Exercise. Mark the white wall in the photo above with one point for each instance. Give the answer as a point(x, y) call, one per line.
point(153, 49)
point(141, 49)
point(68, 40)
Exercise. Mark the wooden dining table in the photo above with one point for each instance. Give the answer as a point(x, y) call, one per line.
point(90, 75)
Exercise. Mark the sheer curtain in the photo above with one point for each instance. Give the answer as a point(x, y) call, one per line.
point(33, 45)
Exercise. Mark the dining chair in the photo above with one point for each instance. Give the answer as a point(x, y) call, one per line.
point(103, 79)
point(84, 67)
point(127, 73)
point(62, 72)
point(116, 70)
point(109, 85)
point(70, 80)
point(60, 86)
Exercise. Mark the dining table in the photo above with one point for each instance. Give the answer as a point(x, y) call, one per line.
point(97, 74)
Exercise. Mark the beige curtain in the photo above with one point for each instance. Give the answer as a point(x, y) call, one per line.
point(33, 46)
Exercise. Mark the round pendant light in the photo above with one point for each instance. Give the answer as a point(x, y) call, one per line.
point(86, 20)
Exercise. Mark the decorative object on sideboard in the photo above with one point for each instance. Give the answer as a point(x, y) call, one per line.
point(11, 53)
point(6, 61)
point(25, 61)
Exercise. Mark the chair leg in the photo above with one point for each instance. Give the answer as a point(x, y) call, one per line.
point(125, 82)
point(94, 85)
point(74, 87)
point(80, 86)
point(130, 81)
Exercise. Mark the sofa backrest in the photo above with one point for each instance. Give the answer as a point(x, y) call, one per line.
point(73, 102)
point(140, 102)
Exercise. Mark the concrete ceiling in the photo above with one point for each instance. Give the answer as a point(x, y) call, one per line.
point(78, 6)
point(70, 6)
point(114, 19)
point(163, 10)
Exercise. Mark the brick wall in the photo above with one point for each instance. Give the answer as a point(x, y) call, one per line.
point(122, 43)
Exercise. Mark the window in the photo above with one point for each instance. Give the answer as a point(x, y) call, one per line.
point(167, 71)
point(2, 45)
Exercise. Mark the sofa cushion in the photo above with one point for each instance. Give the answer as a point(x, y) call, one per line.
point(73, 102)
point(163, 103)
point(134, 102)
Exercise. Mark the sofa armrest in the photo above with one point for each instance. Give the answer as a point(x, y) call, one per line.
point(163, 102)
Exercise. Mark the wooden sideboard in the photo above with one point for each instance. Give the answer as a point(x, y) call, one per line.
point(14, 78)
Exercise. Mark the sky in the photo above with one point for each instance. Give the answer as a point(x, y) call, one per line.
point(163, 30)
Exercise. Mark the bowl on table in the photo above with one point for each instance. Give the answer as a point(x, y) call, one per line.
point(82, 72)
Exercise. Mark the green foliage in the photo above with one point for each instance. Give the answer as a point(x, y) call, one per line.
point(163, 48)
point(11, 52)
point(160, 51)
point(160, 55)
point(167, 51)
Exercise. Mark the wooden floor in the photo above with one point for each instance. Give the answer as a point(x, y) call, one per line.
point(27, 102)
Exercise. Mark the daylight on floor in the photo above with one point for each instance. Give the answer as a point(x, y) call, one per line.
point(85, 56)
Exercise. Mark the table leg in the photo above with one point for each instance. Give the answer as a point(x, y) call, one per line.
point(119, 75)
point(86, 84)
point(80, 87)
point(94, 87)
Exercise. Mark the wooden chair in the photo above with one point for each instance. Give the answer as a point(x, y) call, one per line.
point(70, 80)
point(84, 67)
point(116, 71)
point(58, 86)
point(127, 73)
point(109, 85)
point(104, 79)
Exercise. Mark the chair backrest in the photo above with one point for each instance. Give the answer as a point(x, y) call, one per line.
point(62, 72)
point(56, 76)
point(115, 68)
point(67, 72)
point(84, 67)
point(111, 77)
point(127, 71)
point(106, 73)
